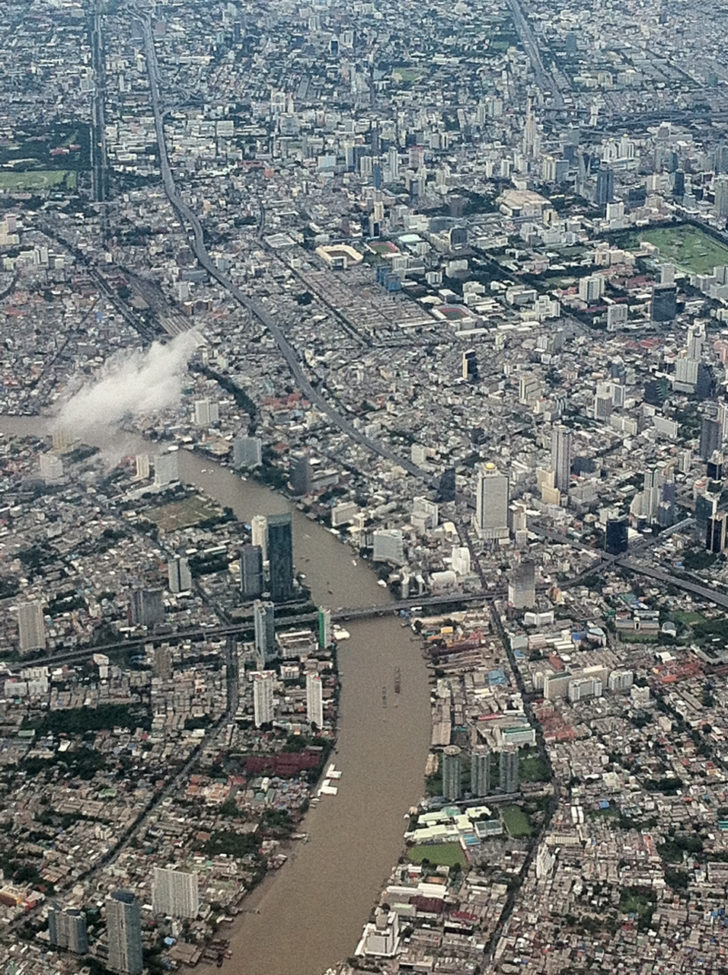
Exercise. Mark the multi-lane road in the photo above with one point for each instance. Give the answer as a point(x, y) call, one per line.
point(98, 121)
point(544, 78)
point(257, 309)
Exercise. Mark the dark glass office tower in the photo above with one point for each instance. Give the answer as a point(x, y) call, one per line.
point(280, 557)
point(251, 571)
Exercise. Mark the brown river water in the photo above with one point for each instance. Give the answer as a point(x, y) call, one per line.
point(309, 915)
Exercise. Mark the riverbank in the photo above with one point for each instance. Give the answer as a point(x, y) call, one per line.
point(312, 911)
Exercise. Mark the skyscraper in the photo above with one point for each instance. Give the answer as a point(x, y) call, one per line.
point(207, 413)
point(491, 507)
point(446, 486)
point(605, 186)
point(617, 536)
point(280, 557)
point(265, 631)
point(175, 892)
point(715, 533)
point(522, 586)
point(711, 437)
point(663, 306)
point(31, 626)
point(561, 438)
point(720, 188)
point(314, 700)
point(263, 697)
point(706, 506)
point(67, 929)
point(509, 769)
point(166, 469)
point(470, 366)
point(179, 575)
point(325, 634)
point(451, 769)
point(300, 474)
point(480, 771)
point(251, 571)
point(51, 468)
point(163, 662)
point(259, 534)
point(143, 467)
point(247, 452)
point(124, 932)
point(146, 607)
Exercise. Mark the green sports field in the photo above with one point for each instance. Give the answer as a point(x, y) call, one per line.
point(439, 855)
point(180, 514)
point(516, 821)
point(686, 246)
point(36, 179)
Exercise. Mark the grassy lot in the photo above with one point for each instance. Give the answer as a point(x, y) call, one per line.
point(515, 821)
point(37, 179)
point(633, 900)
point(409, 76)
point(532, 768)
point(180, 514)
point(441, 855)
point(633, 636)
point(687, 247)
point(687, 619)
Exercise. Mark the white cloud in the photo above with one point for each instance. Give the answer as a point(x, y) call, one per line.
point(132, 385)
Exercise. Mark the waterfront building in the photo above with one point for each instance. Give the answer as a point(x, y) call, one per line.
point(388, 546)
point(175, 892)
point(300, 474)
point(325, 630)
point(314, 701)
point(166, 469)
point(259, 534)
point(280, 557)
point(451, 772)
point(247, 454)
point(143, 467)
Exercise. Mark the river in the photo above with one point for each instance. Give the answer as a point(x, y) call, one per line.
point(310, 915)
